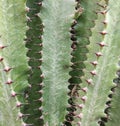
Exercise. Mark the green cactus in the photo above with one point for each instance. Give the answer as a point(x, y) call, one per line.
point(59, 63)
point(13, 61)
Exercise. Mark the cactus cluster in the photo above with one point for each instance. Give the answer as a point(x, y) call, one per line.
point(59, 62)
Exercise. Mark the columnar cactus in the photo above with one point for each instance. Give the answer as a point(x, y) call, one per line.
point(59, 63)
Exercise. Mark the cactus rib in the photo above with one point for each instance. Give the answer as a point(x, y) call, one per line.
point(57, 18)
point(13, 65)
point(33, 43)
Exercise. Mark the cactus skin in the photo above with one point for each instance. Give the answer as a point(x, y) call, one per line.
point(113, 19)
point(57, 18)
point(13, 66)
point(33, 41)
point(94, 106)
point(54, 75)
point(114, 108)
point(81, 31)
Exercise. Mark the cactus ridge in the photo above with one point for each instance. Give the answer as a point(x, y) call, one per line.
point(80, 49)
point(99, 46)
point(84, 89)
point(13, 61)
point(33, 93)
point(72, 86)
point(59, 63)
point(113, 109)
point(56, 64)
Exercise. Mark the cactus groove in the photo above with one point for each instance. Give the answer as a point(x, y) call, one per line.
point(59, 62)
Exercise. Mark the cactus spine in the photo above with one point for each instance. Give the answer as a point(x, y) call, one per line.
point(59, 62)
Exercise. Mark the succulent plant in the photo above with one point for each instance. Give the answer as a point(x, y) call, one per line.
point(59, 63)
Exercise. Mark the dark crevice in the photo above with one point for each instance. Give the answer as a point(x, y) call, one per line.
point(75, 73)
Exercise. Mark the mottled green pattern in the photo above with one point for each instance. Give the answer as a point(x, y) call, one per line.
point(60, 55)
point(33, 42)
point(12, 31)
point(114, 111)
point(102, 82)
point(57, 18)
point(114, 40)
point(83, 32)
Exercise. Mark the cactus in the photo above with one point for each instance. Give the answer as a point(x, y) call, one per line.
point(59, 63)
point(13, 61)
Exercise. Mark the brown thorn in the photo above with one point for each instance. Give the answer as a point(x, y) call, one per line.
point(13, 93)
point(74, 23)
point(104, 22)
point(39, 100)
point(101, 5)
point(40, 91)
point(101, 44)
point(21, 115)
point(42, 76)
point(18, 104)
point(89, 81)
point(1, 59)
point(2, 47)
point(79, 116)
point(94, 63)
point(80, 106)
point(7, 69)
point(85, 89)
point(103, 32)
point(9, 81)
point(79, 123)
point(40, 118)
point(38, 3)
point(37, 15)
point(27, 9)
point(98, 54)
point(93, 73)
point(84, 98)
